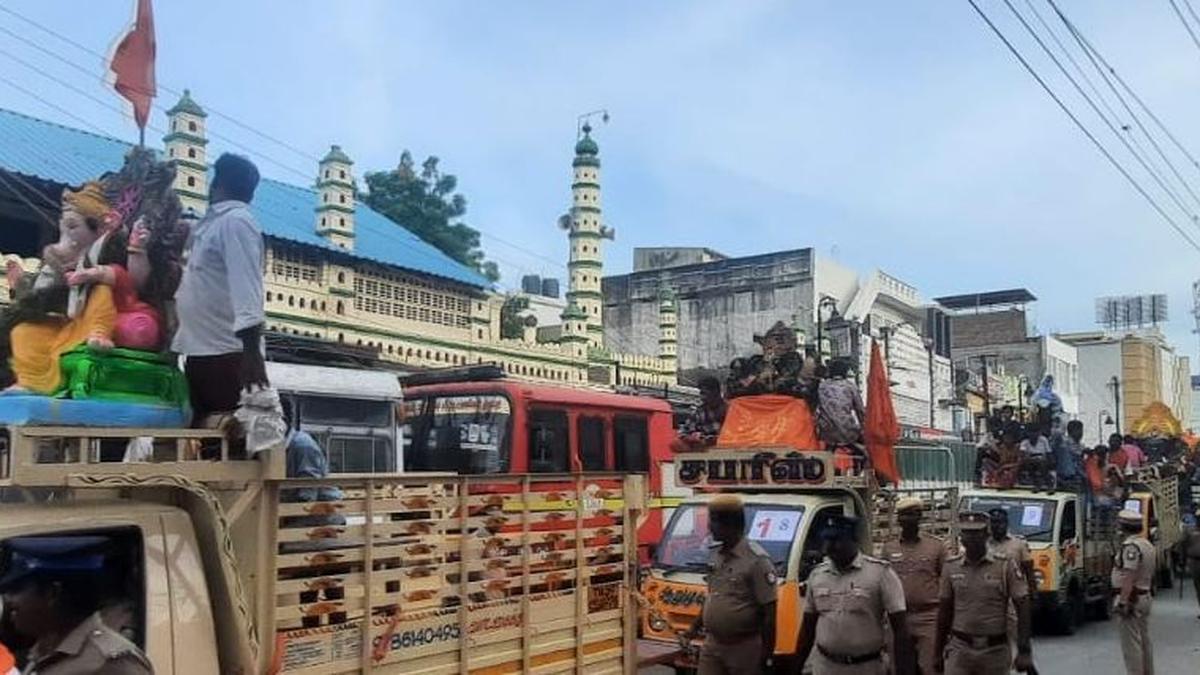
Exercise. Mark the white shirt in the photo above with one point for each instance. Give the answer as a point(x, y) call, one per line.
point(222, 288)
point(1039, 449)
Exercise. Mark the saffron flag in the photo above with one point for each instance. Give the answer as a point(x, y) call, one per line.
point(132, 64)
point(882, 429)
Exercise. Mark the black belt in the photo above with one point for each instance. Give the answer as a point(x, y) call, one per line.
point(843, 660)
point(981, 641)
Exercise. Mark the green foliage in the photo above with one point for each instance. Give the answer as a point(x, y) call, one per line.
point(512, 326)
point(426, 202)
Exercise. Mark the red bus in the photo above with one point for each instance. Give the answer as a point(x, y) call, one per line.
point(508, 427)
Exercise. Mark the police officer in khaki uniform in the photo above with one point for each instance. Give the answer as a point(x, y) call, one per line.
point(976, 590)
point(918, 560)
point(50, 587)
point(1016, 549)
point(849, 597)
point(1132, 577)
point(739, 611)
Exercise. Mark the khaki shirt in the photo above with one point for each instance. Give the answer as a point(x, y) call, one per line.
point(1014, 548)
point(91, 649)
point(851, 604)
point(741, 582)
point(1137, 558)
point(981, 592)
point(919, 566)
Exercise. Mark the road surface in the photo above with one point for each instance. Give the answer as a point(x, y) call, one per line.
point(1096, 648)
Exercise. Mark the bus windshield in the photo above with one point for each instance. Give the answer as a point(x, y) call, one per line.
point(686, 543)
point(466, 434)
point(1030, 518)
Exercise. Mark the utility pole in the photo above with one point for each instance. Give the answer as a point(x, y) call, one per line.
point(987, 390)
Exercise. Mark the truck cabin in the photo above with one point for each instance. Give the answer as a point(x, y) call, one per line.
point(785, 495)
point(351, 413)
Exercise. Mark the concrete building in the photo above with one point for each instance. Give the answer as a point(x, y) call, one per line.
point(337, 270)
point(719, 304)
point(662, 257)
point(1194, 418)
point(994, 326)
point(1121, 372)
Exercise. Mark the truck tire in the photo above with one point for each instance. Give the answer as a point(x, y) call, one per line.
point(1068, 614)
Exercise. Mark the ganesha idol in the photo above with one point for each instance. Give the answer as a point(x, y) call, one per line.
point(116, 262)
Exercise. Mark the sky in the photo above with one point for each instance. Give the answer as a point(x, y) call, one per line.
point(894, 135)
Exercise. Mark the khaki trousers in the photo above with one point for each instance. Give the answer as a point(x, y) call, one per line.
point(963, 659)
point(1135, 638)
point(743, 657)
point(922, 628)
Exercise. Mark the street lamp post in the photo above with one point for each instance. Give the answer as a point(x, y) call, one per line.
point(1103, 419)
point(831, 303)
point(1115, 383)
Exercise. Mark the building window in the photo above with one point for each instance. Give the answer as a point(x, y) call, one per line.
point(342, 174)
point(341, 277)
point(191, 181)
point(341, 222)
point(191, 126)
point(342, 199)
point(341, 308)
point(301, 303)
point(327, 173)
point(171, 152)
point(322, 221)
point(325, 198)
point(341, 337)
point(268, 296)
point(479, 333)
point(192, 153)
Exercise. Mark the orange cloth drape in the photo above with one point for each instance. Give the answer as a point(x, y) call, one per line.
point(881, 429)
point(766, 421)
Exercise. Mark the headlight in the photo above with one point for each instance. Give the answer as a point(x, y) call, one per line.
point(658, 624)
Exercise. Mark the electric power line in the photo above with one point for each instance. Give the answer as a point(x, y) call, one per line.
point(1086, 132)
point(558, 263)
point(1096, 109)
point(1186, 25)
point(1092, 58)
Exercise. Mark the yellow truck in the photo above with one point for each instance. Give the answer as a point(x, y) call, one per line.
point(227, 567)
point(786, 494)
point(1073, 542)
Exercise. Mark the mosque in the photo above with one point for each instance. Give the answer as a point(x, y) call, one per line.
point(340, 272)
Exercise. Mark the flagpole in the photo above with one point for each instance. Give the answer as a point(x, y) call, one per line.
point(141, 137)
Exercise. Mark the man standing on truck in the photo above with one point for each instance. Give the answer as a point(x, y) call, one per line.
point(702, 427)
point(51, 588)
point(1133, 578)
point(918, 560)
point(845, 605)
point(739, 611)
point(977, 589)
point(220, 300)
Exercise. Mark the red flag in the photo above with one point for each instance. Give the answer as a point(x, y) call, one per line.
point(882, 429)
point(132, 64)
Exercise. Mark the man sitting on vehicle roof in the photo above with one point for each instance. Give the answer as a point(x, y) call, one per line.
point(702, 427)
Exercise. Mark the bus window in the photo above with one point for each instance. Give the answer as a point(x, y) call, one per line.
point(591, 443)
point(460, 434)
point(548, 449)
point(632, 444)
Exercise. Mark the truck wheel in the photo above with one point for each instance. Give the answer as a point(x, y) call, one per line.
point(1068, 615)
point(1164, 577)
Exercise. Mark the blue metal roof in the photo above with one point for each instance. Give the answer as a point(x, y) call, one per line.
point(61, 154)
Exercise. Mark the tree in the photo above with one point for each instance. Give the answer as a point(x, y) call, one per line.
point(427, 204)
point(512, 324)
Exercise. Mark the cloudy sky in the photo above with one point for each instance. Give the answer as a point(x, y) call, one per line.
point(897, 135)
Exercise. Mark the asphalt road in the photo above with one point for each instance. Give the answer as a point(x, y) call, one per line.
point(1096, 648)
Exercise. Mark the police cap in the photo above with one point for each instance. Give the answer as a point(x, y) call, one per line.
point(725, 504)
point(838, 526)
point(28, 558)
point(969, 521)
point(1127, 517)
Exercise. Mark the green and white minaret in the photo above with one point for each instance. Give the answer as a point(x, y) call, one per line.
point(185, 144)
point(335, 208)
point(668, 337)
point(585, 232)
